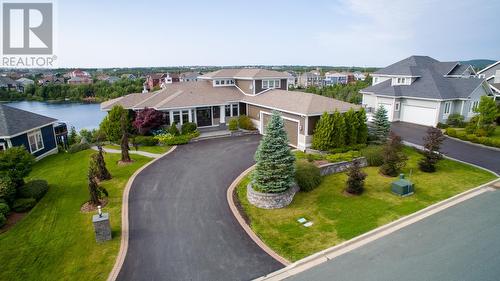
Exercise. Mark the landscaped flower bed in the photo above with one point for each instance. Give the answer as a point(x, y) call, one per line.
point(337, 217)
point(460, 133)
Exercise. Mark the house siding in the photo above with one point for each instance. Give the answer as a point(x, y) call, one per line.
point(311, 124)
point(49, 141)
point(245, 85)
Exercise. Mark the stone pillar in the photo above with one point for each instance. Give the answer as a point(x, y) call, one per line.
point(102, 227)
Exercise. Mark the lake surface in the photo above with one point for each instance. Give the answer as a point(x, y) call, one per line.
point(79, 115)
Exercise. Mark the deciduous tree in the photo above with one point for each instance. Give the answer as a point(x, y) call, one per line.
point(432, 144)
point(394, 157)
point(147, 119)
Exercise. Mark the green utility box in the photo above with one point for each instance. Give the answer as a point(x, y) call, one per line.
point(402, 186)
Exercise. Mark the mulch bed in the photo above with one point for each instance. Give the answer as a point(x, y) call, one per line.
point(125, 163)
point(12, 219)
point(87, 207)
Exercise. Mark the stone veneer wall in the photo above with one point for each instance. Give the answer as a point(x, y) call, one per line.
point(333, 168)
point(271, 200)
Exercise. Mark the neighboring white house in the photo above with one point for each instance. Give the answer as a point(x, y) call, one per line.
point(492, 75)
point(422, 90)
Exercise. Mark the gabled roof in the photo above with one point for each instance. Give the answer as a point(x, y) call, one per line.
point(4, 80)
point(14, 121)
point(430, 82)
point(244, 73)
point(488, 67)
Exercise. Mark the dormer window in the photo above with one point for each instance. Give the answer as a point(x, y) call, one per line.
point(271, 84)
point(401, 81)
point(223, 82)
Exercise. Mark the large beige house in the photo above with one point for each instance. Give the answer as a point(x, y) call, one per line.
point(227, 93)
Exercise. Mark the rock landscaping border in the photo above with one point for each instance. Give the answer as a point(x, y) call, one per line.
point(338, 167)
point(271, 200)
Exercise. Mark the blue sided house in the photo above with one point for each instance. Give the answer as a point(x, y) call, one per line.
point(23, 128)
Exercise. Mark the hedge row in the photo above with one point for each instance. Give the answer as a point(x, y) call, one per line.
point(473, 138)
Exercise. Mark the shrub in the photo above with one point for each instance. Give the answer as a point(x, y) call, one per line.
point(442, 125)
point(110, 125)
point(15, 164)
point(451, 132)
point(4, 209)
point(34, 189)
point(347, 148)
point(432, 144)
point(394, 157)
point(147, 119)
point(177, 140)
point(146, 140)
point(373, 155)
point(173, 129)
point(307, 176)
point(233, 124)
point(3, 220)
point(323, 132)
point(23, 204)
point(188, 128)
point(245, 123)
point(339, 157)
point(455, 120)
point(78, 147)
point(355, 179)
point(7, 190)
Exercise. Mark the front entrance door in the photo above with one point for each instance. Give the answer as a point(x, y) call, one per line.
point(204, 116)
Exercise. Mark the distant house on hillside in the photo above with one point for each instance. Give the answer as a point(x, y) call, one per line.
point(129, 76)
point(7, 83)
point(334, 77)
point(359, 76)
point(22, 83)
point(422, 90)
point(51, 79)
point(153, 80)
point(33, 131)
point(492, 75)
point(78, 73)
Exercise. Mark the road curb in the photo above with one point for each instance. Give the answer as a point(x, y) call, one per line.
point(124, 240)
point(347, 246)
point(242, 222)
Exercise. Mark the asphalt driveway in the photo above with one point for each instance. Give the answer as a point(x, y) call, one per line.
point(483, 157)
point(181, 227)
point(459, 243)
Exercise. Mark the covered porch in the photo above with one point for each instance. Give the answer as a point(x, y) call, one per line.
point(205, 117)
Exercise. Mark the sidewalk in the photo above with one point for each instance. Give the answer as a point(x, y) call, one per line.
point(142, 153)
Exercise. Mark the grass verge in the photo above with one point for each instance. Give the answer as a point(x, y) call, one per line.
point(151, 149)
point(338, 218)
point(55, 241)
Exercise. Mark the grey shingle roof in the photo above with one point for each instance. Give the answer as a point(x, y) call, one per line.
point(14, 121)
point(431, 82)
point(459, 69)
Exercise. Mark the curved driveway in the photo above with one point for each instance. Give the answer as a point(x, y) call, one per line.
point(181, 227)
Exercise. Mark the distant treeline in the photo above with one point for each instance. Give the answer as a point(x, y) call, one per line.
point(349, 93)
point(99, 91)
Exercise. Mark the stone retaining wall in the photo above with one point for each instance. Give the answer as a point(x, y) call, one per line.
point(271, 200)
point(338, 167)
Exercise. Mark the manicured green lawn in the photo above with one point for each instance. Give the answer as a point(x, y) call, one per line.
point(337, 217)
point(152, 149)
point(496, 134)
point(55, 241)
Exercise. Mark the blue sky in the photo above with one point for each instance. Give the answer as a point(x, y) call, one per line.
point(105, 33)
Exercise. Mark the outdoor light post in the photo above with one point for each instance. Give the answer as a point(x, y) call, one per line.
point(102, 227)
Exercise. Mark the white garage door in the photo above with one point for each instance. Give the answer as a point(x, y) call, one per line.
point(418, 115)
point(387, 107)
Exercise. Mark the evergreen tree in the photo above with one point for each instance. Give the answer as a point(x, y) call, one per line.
point(356, 179)
point(97, 160)
point(323, 133)
point(96, 191)
point(352, 127)
point(382, 124)
point(363, 128)
point(339, 130)
point(111, 124)
point(275, 168)
point(73, 136)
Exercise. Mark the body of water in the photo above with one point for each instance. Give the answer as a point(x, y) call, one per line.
point(79, 115)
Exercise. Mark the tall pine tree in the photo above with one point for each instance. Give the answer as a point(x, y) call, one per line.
point(323, 133)
point(352, 125)
point(363, 128)
point(275, 167)
point(382, 124)
point(339, 130)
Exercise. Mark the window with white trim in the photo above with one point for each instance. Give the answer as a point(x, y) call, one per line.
point(223, 82)
point(35, 141)
point(231, 110)
point(473, 106)
point(271, 84)
point(2, 146)
point(397, 106)
point(447, 107)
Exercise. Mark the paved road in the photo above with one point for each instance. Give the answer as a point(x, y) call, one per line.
point(483, 157)
point(459, 243)
point(181, 227)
